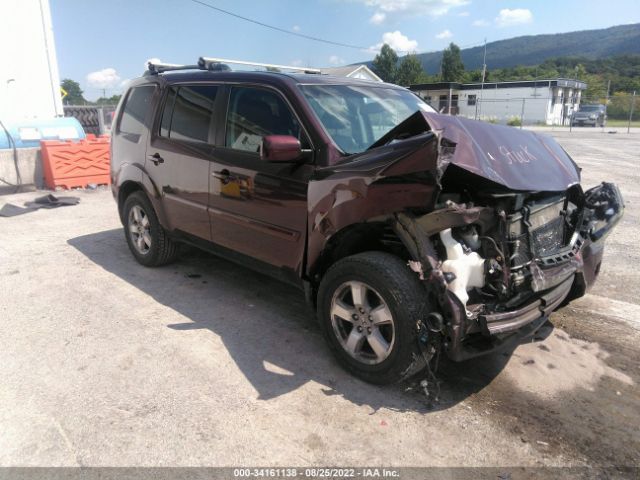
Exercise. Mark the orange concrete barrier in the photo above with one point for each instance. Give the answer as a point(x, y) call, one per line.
point(75, 164)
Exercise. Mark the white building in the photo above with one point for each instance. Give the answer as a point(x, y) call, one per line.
point(29, 78)
point(549, 102)
point(353, 71)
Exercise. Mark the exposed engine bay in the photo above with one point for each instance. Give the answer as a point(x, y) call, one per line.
point(510, 258)
point(500, 256)
point(499, 265)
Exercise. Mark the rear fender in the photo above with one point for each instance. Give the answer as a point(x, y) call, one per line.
point(131, 172)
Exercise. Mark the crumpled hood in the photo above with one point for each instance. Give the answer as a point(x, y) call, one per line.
point(518, 159)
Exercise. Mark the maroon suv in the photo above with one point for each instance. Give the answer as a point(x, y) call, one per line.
point(410, 232)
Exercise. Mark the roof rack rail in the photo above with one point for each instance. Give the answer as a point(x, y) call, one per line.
point(207, 62)
point(155, 68)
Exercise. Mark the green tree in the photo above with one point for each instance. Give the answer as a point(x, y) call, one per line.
point(620, 105)
point(112, 100)
point(452, 66)
point(386, 64)
point(410, 71)
point(596, 91)
point(74, 92)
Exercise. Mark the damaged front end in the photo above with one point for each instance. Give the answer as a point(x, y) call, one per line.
point(498, 270)
point(493, 219)
point(500, 257)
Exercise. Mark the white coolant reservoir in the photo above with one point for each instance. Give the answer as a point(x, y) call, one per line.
point(468, 268)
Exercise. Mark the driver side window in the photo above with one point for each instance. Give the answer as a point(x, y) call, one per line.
point(254, 113)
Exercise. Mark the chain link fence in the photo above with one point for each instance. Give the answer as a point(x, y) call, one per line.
point(542, 109)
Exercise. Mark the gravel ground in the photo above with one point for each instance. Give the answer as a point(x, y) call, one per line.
point(107, 363)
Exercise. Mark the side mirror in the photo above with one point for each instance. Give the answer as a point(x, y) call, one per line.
point(280, 148)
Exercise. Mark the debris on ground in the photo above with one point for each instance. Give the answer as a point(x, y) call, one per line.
point(46, 201)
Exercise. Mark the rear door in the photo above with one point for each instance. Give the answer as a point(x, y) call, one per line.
point(179, 155)
point(259, 208)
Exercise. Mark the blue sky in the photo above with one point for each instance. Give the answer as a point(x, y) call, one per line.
point(118, 36)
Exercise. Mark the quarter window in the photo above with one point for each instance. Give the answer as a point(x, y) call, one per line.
point(135, 110)
point(188, 113)
point(254, 113)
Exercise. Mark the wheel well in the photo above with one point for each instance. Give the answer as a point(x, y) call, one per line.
point(358, 238)
point(126, 189)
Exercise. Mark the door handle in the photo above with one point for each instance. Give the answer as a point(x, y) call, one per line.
point(156, 158)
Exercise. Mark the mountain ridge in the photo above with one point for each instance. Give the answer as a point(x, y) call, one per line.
point(535, 49)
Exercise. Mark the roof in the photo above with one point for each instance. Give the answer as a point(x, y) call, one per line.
point(350, 71)
point(273, 78)
point(551, 82)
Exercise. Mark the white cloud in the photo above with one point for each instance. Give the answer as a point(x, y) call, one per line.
point(296, 28)
point(508, 17)
point(464, 14)
point(295, 63)
point(105, 78)
point(336, 60)
point(377, 18)
point(480, 23)
point(444, 34)
point(396, 40)
point(434, 8)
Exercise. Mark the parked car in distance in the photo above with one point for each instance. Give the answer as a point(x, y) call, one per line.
point(410, 232)
point(594, 115)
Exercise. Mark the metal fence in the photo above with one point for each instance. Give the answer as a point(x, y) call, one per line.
point(95, 119)
point(538, 109)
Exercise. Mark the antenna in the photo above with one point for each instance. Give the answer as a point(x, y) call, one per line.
point(206, 62)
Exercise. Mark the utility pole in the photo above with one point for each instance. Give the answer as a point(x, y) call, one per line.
point(606, 104)
point(633, 103)
point(484, 71)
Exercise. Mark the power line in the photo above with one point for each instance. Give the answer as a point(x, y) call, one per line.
point(310, 37)
point(278, 29)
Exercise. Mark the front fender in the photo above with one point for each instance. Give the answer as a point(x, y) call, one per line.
point(370, 186)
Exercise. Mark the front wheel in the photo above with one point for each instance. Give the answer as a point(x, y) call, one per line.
point(369, 306)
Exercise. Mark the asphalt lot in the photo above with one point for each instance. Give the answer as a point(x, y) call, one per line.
point(107, 363)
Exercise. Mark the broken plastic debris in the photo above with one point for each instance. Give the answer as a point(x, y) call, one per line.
point(416, 267)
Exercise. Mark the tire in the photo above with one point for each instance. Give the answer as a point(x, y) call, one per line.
point(390, 280)
point(150, 245)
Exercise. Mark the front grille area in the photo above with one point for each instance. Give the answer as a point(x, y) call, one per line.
point(549, 238)
point(537, 231)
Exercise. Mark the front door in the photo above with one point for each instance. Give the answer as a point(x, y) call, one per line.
point(179, 156)
point(259, 208)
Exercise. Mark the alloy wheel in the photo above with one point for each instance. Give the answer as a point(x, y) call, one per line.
point(362, 322)
point(140, 229)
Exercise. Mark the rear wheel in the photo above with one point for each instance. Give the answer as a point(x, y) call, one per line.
point(369, 306)
point(147, 240)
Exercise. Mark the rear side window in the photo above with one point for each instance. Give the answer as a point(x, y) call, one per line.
point(135, 110)
point(188, 113)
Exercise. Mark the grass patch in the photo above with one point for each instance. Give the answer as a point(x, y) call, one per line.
point(622, 123)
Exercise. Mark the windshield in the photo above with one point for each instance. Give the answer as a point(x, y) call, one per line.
point(357, 116)
point(589, 108)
